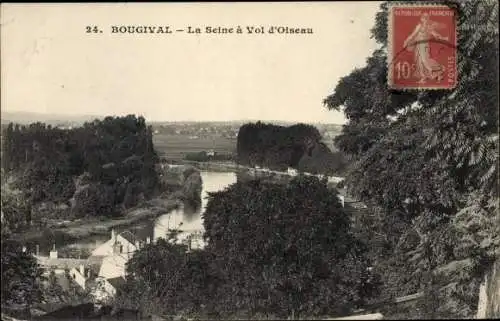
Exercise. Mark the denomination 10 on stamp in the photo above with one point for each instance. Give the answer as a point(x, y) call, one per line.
point(422, 44)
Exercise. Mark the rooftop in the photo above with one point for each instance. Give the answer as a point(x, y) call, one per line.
point(117, 282)
point(129, 236)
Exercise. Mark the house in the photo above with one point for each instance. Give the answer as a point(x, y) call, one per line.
point(292, 172)
point(59, 264)
point(68, 270)
point(116, 252)
point(123, 243)
point(113, 266)
point(84, 274)
point(335, 179)
point(193, 239)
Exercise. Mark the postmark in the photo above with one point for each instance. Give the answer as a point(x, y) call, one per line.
point(422, 47)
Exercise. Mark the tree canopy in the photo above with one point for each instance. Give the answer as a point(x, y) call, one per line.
point(21, 275)
point(285, 249)
point(101, 166)
point(278, 147)
point(427, 162)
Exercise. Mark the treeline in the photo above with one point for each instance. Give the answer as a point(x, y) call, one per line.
point(272, 251)
point(278, 147)
point(96, 169)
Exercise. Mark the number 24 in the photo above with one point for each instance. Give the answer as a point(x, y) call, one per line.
point(91, 29)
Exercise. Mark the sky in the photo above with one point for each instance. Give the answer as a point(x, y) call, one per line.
point(49, 64)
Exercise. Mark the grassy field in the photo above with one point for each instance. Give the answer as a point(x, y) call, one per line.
point(177, 146)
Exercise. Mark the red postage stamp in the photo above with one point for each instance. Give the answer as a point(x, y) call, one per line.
point(422, 47)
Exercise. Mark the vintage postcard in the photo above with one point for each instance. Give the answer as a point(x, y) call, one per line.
point(257, 161)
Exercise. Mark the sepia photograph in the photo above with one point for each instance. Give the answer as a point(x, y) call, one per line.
point(323, 160)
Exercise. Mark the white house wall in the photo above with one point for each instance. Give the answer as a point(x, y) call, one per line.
point(113, 266)
point(78, 277)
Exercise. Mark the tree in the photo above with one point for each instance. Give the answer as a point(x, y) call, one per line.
point(279, 147)
point(167, 279)
point(21, 276)
point(114, 153)
point(16, 209)
point(427, 162)
point(275, 249)
point(285, 249)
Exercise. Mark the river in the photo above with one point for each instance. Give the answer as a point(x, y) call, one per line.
point(192, 221)
point(184, 219)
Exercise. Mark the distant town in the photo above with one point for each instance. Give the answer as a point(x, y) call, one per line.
point(200, 129)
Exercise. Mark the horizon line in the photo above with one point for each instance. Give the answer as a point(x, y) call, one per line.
point(94, 116)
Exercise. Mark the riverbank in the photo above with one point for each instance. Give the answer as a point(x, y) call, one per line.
point(223, 167)
point(178, 186)
point(85, 228)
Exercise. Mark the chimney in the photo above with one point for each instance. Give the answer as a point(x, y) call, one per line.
point(341, 198)
point(53, 253)
point(148, 240)
point(116, 248)
point(82, 269)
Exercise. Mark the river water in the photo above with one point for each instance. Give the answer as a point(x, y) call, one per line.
point(183, 219)
point(189, 221)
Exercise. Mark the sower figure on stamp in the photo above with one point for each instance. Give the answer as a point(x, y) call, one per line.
point(418, 41)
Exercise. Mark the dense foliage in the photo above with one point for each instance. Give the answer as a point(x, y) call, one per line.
point(285, 249)
point(273, 249)
point(428, 164)
point(101, 166)
point(21, 275)
point(16, 210)
point(166, 279)
point(278, 147)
